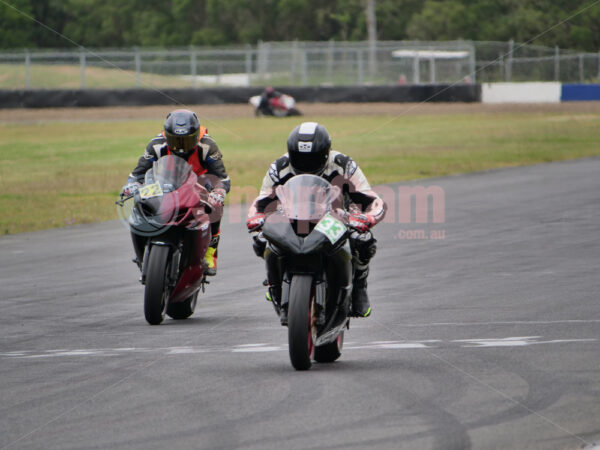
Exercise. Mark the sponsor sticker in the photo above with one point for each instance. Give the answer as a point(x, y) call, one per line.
point(151, 190)
point(304, 147)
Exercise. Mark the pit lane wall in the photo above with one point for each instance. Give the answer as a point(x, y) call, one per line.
point(48, 98)
point(538, 92)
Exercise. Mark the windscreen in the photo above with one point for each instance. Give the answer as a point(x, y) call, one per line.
point(306, 197)
point(171, 170)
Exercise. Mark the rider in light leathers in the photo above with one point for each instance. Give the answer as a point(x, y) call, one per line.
point(309, 151)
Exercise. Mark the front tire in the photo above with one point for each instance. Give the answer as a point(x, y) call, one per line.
point(156, 293)
point(300, 322)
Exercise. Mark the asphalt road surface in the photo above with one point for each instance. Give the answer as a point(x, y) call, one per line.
point(485, 337)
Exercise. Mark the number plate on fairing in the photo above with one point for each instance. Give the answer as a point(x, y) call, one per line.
point(331, 227)
point(151, 190)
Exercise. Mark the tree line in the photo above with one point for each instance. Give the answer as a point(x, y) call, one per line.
point(165, 23)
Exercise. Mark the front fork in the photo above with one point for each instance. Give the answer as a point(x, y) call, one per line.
point(175, 254)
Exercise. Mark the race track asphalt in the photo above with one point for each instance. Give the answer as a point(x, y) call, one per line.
point(487, 338)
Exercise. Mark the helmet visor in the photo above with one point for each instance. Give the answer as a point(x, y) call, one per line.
point(185, 143)
point(308, 162)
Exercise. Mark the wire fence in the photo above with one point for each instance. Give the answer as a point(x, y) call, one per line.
point(296, 63)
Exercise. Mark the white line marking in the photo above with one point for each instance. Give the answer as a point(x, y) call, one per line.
point(515, 322)
point(519, 341)
point(257, 349)
point(515, 341)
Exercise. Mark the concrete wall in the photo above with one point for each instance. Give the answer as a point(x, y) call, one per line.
point(521, 92)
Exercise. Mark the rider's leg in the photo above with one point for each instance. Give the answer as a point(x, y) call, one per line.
point(363, 249)
point(211, 252)
point(274, 283)
point(139, 247)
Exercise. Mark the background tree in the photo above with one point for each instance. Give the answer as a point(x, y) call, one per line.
point(117, 23)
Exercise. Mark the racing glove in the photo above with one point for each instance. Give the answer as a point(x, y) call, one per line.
point(255, 222)
point(217, 197)
point(129, 189)
point(361, 222)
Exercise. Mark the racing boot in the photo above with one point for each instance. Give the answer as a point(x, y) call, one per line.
point(139, 247)
point(211, 256)
point(361, 307)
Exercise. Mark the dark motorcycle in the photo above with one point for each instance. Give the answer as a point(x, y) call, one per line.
point(172, 210)
point(312, 259)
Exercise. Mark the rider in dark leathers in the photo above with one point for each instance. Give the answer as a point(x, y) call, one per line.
point(264, 106)
point(309, 151)
point(184, 137)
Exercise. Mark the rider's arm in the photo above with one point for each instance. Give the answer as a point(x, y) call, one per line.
point(363, 195)
point(150, 155)
point(213, 161)
point(265, 197)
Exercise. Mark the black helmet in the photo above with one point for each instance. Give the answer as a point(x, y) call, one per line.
point(308, 148)
point(182, 129)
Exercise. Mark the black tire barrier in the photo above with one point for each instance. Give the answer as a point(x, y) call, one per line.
point(57, 98)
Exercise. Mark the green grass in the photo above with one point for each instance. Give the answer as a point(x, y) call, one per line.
point(54, 174)
point(46, 76)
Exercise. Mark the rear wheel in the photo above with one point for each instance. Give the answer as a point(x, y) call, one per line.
point(300, 322)
point(330, 352)
point(156, 293)
point(182, 310)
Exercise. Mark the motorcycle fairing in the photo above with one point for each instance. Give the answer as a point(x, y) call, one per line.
point(279, 231)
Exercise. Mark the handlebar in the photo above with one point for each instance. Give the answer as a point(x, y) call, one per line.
point(123, 199)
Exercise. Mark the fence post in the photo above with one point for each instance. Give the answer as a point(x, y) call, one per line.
point(138, 67)
point(359, 62)
point(82, 65)
point(330, 61)
point(472, 63)
point(304, 68)
point(509, 62)
point(598, 65)
point(556, 63)
point(431, 67)
point(581, 68)
point(416, 69)
point(249, 65)
point(27, 69)
point(193, 66)
point(372, 38)
point(294, 61)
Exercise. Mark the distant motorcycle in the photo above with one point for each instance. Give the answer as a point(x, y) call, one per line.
point(314, 259)
point(172, 209)
point(283, 106)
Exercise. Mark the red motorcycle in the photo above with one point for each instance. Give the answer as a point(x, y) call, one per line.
point(282, 106)
point(173, 211)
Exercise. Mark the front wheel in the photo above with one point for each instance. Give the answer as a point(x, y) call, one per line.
point(300, 321)
point(156, 293)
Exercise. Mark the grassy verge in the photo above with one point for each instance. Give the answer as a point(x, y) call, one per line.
point(54, 174)
point(51, 76)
